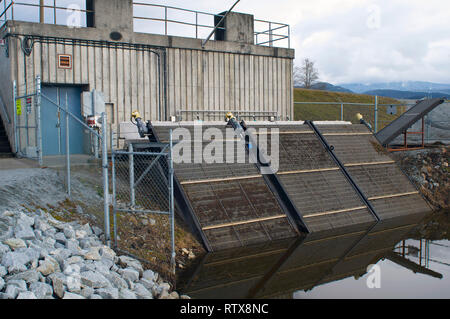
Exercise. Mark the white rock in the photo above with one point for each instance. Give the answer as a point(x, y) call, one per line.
point(29, 276)
point(126, 294)
point(69, 232)
point(150, 275)
point(108, 293)
point(107, 253)
point(2, 284)
point(141, 292)
point(87, 292)
point(41, 290)
point(15, 243)
point(130, 274)
point(93, 254)
point(128, 262)
point(24, 232)
point(69, 295)
point(46, 268)
point(94, 280)
point(26, 295)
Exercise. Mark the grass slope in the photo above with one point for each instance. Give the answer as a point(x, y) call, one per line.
point(333, 112)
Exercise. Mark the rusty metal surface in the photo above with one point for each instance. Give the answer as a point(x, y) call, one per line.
point(358, 149)
point(245, 200)
point(381, 180)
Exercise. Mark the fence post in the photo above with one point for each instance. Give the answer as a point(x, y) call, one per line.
point(131, 173)
point(105, 180)
point(342, 111)
point(376, 114)
point(38, 120)
point(113, 176)
point(171, 201)
point(16, 139)
point(67, 148)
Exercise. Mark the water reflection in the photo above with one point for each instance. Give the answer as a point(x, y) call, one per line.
point(328, 265)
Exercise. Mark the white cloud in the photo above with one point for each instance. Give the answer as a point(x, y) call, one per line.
point(350, 40)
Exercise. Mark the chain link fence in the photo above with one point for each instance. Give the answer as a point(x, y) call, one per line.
point(377, 115)
point(143, 213)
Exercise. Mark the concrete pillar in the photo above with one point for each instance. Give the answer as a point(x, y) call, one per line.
point(113, 15)
point(239, 27)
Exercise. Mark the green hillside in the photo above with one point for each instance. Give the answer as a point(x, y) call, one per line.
point(333, 112)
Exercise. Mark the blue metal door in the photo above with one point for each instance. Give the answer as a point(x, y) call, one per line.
point(54, 121)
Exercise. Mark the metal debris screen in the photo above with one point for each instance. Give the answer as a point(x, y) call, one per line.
point(232, 203)
point(349, 182)
point(314, 182)
point(374, 171)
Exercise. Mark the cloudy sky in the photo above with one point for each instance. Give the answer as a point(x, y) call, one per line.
point(358, 40)
point(350, 40)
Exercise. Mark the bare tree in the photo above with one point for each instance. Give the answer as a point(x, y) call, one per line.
point(305, 75)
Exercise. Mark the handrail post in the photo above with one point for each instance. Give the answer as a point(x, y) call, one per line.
point(38, 120)
point(105, 180)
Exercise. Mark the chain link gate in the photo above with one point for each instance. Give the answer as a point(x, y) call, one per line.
point(27, 121)
point(143, 203)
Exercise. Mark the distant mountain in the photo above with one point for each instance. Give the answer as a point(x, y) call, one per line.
point(324, 86)
point(411, 86)
point(407, 94)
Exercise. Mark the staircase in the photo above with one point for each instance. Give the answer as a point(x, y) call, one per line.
point(5, 148)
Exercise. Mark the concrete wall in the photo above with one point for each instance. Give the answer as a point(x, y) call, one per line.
point(6, 91)
point(223, 76)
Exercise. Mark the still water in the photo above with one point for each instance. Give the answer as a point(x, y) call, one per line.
point(410, 261)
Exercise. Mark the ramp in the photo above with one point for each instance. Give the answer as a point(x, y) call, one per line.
point(406, 120)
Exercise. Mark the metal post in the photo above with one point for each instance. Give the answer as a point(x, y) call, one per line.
point(131, 170)
point(113, 176)
point(289, 36)
point(342, 111)
point(38, 120)
point(41, 11)
point(165, 20)
point(171, 201)
point(105, 180)
point(95, 146)
point(196, 25)
point(67, 148)
point(270, 35)
point(376, 114)
point(16, 136)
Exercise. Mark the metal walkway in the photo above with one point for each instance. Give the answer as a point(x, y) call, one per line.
point(406, 120)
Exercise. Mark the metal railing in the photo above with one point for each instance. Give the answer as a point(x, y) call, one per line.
point(346, 111)
point(200, 23)
point(192, 115)
point(50, 12)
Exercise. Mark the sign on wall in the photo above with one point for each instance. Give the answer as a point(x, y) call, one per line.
point(19, 107)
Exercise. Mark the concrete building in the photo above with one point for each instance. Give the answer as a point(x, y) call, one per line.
point(160, 75)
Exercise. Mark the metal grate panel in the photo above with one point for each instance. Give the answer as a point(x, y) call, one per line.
point(231, 202)
point(381, 180)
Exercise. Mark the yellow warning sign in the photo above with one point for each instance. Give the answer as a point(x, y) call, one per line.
point(19, 107)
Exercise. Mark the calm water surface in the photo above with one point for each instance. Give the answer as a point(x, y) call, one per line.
point(411, 258)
